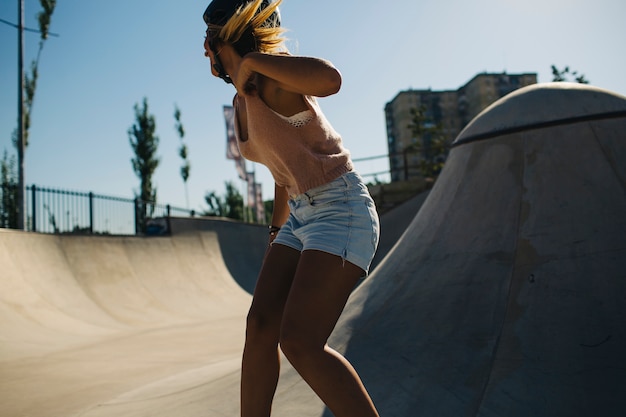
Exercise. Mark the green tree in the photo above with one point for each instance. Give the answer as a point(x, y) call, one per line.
point(30, 80)
point(563, 75)
point(8, 192)
point(269, 209)
point(185, 168)
point(144, 143)
point(231, 205)
point(429, 141)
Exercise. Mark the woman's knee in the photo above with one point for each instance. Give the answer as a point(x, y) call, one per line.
point(262, 327)
point(298, 345)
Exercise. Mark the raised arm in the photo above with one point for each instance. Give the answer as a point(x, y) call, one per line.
point(296, 74)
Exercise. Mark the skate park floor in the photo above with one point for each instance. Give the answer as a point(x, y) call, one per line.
point(502, 291)
point(94, 323)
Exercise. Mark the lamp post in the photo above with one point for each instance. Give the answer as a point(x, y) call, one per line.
point(21, 191)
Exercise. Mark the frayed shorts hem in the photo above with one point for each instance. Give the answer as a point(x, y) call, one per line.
point(358, 262)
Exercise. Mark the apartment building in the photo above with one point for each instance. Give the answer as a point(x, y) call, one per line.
point(453, 110)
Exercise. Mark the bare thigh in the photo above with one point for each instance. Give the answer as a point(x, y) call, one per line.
point(318, 294)
point(272, 290)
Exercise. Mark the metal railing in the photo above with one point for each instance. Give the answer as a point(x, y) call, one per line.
point(51, 210)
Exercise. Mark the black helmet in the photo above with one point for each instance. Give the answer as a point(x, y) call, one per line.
point(219, 12)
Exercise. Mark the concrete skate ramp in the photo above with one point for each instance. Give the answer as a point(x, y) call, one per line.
point(394, 223)
point(132, 326)
point(506, 296)
point(242, 245)
point(87, 320)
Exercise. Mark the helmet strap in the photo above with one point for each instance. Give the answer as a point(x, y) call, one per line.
point(219, 67)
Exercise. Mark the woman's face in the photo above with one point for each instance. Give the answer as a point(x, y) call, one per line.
point(209, 54)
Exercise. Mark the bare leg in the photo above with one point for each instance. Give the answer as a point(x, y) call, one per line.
point(260, 364)
point(319, 292)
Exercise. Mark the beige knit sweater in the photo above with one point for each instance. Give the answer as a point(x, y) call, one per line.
point(299, 158)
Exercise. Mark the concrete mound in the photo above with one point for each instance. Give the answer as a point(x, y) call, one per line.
point(506, 296)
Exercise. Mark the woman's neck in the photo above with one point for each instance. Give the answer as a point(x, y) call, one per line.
point(230, 60)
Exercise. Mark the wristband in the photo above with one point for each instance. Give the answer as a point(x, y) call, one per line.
point(274, 230)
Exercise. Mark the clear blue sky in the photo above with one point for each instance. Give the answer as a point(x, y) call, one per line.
point(110, 54)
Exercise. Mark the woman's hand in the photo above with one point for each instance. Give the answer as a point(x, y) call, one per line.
point(245, 78)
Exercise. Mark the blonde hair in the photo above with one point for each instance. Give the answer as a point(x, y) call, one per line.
point(269, 37)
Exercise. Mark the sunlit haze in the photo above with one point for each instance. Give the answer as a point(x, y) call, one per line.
point(111, 54)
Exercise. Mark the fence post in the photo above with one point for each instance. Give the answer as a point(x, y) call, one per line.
point(90, 212)
point(136, 216)
point(34, 207)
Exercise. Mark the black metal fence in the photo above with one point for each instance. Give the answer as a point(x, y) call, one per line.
point(59, 211)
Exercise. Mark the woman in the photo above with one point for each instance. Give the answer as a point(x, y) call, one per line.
point(324, 229)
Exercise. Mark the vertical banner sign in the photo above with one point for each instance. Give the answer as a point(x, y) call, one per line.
point(260, 207)
point(251, 190)
point(255, 197)
point(232, 150)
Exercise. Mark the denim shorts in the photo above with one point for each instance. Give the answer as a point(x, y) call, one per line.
point(339, 218)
